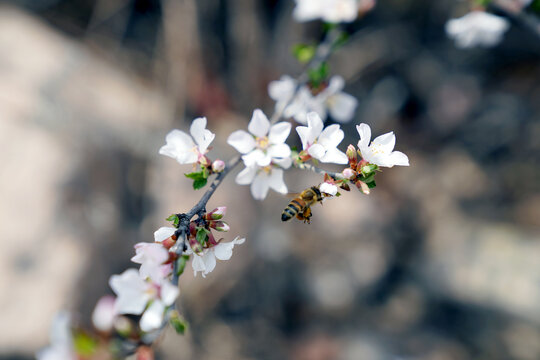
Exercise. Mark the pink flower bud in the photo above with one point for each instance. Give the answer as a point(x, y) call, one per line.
point(219, 225)
point(362, 186)
point(218, 166)
point(123, 326)
point(348, 173)
point(216, 214)
point(351, 153)
point(194, 245)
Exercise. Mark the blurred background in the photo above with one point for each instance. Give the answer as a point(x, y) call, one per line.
point(440, 262)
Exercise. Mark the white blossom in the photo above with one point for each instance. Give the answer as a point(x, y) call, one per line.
point(61, 340)
point(103, 315)
point(328, 188)
point(322, 144)
point(331, 99)
point(380, 152)
point(163, 233)
point(188, 149)
point(152, 257)
point(264, 149)
point(333, 11)
point(134, 294)
point(477, 28)
point(206, 262)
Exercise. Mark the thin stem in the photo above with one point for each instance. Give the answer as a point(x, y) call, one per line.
point(520, 16)
point(310, 167)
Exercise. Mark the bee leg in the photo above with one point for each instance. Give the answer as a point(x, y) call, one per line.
point(300, 217)
point(307, 215)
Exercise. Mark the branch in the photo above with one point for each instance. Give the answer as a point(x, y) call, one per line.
point(310, 167)
point(518, 15)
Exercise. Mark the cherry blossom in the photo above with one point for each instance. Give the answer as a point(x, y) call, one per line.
point(206, 262)
point(380, 152)
point(61, 340)
point(264, 151)
point(152, 257)
point(477, 28)
point(103, 315)
point(188, 149)
point(331, 100)
point(333, 11)
point(163, 233)
point(322, 144)
point(134, 294)
point(329, 189)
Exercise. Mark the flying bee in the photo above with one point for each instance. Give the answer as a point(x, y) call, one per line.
point(300, 205)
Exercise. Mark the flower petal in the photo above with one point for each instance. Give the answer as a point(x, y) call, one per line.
point(259, 124)
point(328, 188)
point(282, 89)
point(168, 293)
point(202, 136)
point(317, 151)
point(257, 157)
point(223, 251)
point(285, 163)
point(279, 151)
point(331, 136)
point(334, 156)
point(279, 132)
point(276, 182)
point(303, 132)
point(179, 146)
point(365, 135)
point(246, 176)
point(260, 185)
point(163, 233)
point(152, 318)
point(315, 125)
point(399, 158)
point(342, 107)
point(242, 141)
point(385, 142)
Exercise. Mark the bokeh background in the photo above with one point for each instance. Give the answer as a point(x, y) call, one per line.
point(440, 262)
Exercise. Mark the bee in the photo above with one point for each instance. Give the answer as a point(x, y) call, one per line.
point(300, 205)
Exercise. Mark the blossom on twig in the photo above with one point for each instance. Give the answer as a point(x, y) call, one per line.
point(205, 262)
point(380, 152)
point(333, 11)
point(319, 143)
point(152, 257)
point(183, 148)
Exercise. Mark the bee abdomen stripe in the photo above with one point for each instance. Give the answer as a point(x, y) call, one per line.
point(297, 203)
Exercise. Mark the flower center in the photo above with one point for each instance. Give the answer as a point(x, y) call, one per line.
point(262, 142)
point(376, 148)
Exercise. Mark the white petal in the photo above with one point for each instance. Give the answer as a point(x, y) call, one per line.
point(163, 233)
point(284, 162)
point(399, 158)
point(259, 124)
point(103, 314)
point(386, 142)
point(335, 85)
point(260, 185)
point(329, 189)
point(279, 151)
point(152, 318)
point(131, 303)
point(60, 332)
point(198, 265)
point(223, 251)
point(282, 89)
point(279, 132)
point(257, 157)
point(179, 146)
point(246, 176)
point(315, 125)
point(303, 132)
point(209, 259)
point(202, 136)
point(334, 156)
point(365, 135)
point(131, 292)
point(342, 107)
point(276, 182)
point(331, 136)
point(317, 151)
point(168, 293)
point(242, 141)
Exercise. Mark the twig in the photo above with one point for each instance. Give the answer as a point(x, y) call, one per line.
point(310, 167)
point(527, 20)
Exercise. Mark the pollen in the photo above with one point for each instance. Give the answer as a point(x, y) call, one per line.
point(262, 142)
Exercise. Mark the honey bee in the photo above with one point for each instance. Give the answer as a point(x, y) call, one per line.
point(300, 205)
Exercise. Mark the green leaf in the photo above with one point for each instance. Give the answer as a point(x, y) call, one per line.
point(178, 323)
point(482, 2)
point(84, 344)
point(371, 184)
point(304, 53)
point(202, 235)
point(199, 183)
point(195, 175)
point(341, 40)
point(319, 74)
point(181, 264)
point(175, 219)
point(535, 6)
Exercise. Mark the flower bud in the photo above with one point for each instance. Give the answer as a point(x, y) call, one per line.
point(219, 225)
point(216, 214)
point(348, 173)
point(169, 242)
point(368, 170)
point(194, 245)
point(362, 186)
point(123, 326)
point(218, 166)
point(351, 154)
point(104, 314)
